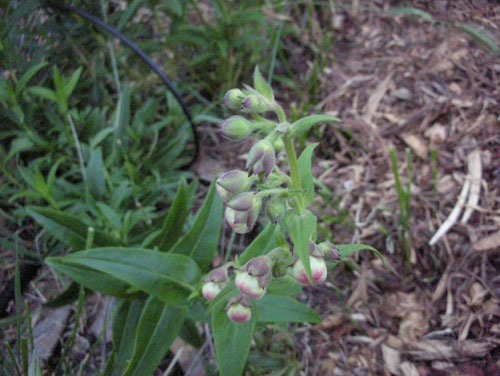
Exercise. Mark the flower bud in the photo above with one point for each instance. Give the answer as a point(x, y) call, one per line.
point(234, 99)
point(231, 183)
point(261, 158)
point(318, 271)
point(329, 251)
point(243, 201)
point(255, 104)
point(249, 286)
point(241, 222)
point(278, 144)
point(258, 267)
point(210, 290)
point(235, 128)
point(239, 310)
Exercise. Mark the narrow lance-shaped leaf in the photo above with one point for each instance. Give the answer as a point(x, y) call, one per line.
point(232, 342)
point(276, 308)
point(173, 225)
point(158, 326)
point(169, 277)
point(346, 250)
point(301, 126)
point(200, 243)
point(90, 278)
point(68, 228)
point(261, 85)
point(306, 176)
point(301, 228)
point(125, 321)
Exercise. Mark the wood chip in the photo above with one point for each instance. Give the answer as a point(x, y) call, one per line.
point(48, 332)
point(375, 99)
point(417, 144)
point(488, 243)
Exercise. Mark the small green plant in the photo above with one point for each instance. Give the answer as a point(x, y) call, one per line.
point(404, 199)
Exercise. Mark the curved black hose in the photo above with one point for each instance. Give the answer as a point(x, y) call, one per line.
point(142, 55)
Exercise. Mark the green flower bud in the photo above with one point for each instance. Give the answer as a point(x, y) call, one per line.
point(278, 144)
point(236, 128)
point(255, 104)
point(234, 99)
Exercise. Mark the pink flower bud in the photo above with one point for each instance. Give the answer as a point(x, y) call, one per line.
point(318, 271)
point(236, 128)
point(258, 267)
point(249, 286)
point(239, 310)
point(261, 158)
point(243, 201)
point(242, 212)
point(210, 290)
point(232, 183)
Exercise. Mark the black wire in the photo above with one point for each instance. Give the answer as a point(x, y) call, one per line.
point(145, 58)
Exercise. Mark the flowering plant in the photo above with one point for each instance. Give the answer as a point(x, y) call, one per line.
point(286, 255)
point(163, 286)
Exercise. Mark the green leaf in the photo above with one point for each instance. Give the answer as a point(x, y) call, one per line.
point(275, 308)
point(232, 342)
point(43, 93)
point(68, 228)
point(261, 245)
point(71, 84)
point(284, 286)
point(28, 75)
point(346, 250)
point(91, 278)
point(111, 216)
point(261, 85)
point(301, 228)
point(158, 326)
point(301, 126)
point(306, 176)
point(411, 12)
point(122, 119)
point(481, 38)
point(95, 174)
point(173, 225)
point(166, 276)
point(125, 322)
point(202, 239)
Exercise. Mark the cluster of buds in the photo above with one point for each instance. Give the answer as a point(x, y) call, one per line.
point(264, 183)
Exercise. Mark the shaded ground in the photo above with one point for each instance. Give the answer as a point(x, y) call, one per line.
point(405, 84)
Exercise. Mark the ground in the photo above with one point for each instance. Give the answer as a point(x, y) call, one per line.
point(431, 93)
